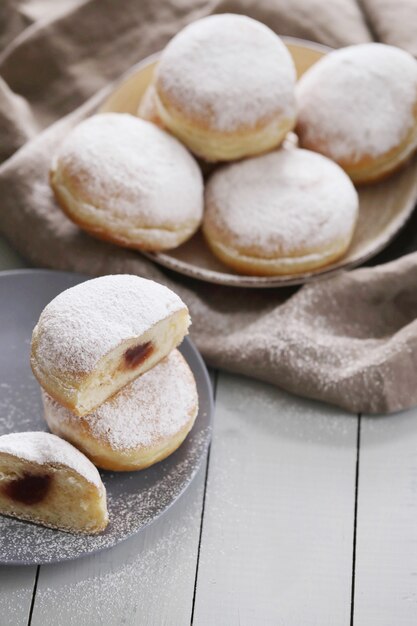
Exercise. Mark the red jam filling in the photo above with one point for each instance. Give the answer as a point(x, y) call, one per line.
point(29, 489)
point(138, 354)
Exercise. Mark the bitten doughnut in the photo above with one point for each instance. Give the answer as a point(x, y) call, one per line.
point(141, 425)
point(225, 86)
point(124, 180)
point(286, 212)
point(96, 337)
point(45, 480)
point(358, 106)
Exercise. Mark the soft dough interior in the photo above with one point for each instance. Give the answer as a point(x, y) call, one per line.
point(129, 360)
point(53, 496)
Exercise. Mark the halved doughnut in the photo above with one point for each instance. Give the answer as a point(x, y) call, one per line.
point(45, 480)
point(96, 337)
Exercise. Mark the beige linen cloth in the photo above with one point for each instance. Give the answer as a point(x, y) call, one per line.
point(350, 340)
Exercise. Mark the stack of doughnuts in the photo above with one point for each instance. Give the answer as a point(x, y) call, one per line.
point(114, 387)
point(224, 92)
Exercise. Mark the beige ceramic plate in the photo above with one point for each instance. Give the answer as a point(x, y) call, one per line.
point(384, 207)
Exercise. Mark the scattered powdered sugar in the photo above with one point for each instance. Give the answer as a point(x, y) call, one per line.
point(281, 203)
point(134, 500)
point(44, 449)
point(339, 95)
point(118, 587)
point(85, 322)
point(132, 169)
point(155, 406)
point(14, 399)
point(229, 70)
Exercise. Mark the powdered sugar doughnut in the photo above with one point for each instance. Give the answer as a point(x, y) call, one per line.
point(124, 180)
point(358, 106)
point(286, 212)
point(96, 337)
point(141, 425)
point(225, 86)
point(46, 480)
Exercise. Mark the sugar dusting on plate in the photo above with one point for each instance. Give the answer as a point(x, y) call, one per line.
point(134, 499)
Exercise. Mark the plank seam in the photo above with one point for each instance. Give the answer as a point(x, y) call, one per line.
point(203, 509)
point(35, 586)
point(355, 521)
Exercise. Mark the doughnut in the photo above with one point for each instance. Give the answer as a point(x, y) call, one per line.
point(225, 86)
point(45, 480)
point(141, 425)
point(285, 212)
point(122, 179)
point(96, 337)
point(358, 106)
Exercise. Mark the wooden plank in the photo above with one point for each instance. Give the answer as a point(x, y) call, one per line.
point(277, 534)
point(386, 544)
point(149, 579)
point(16, 587)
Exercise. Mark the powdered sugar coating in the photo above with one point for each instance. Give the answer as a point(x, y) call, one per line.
point(281, 204)
point(339, 96)
point(133, 170)
point(47, 449)
point(155, 406)
point(85, 322)
point(228, 70)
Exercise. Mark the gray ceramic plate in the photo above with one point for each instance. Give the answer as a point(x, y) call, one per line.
point(135, 499)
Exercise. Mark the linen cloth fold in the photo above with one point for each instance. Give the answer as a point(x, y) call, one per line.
point(350, 340)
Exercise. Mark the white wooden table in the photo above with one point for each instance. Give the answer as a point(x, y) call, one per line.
point(302, 515)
